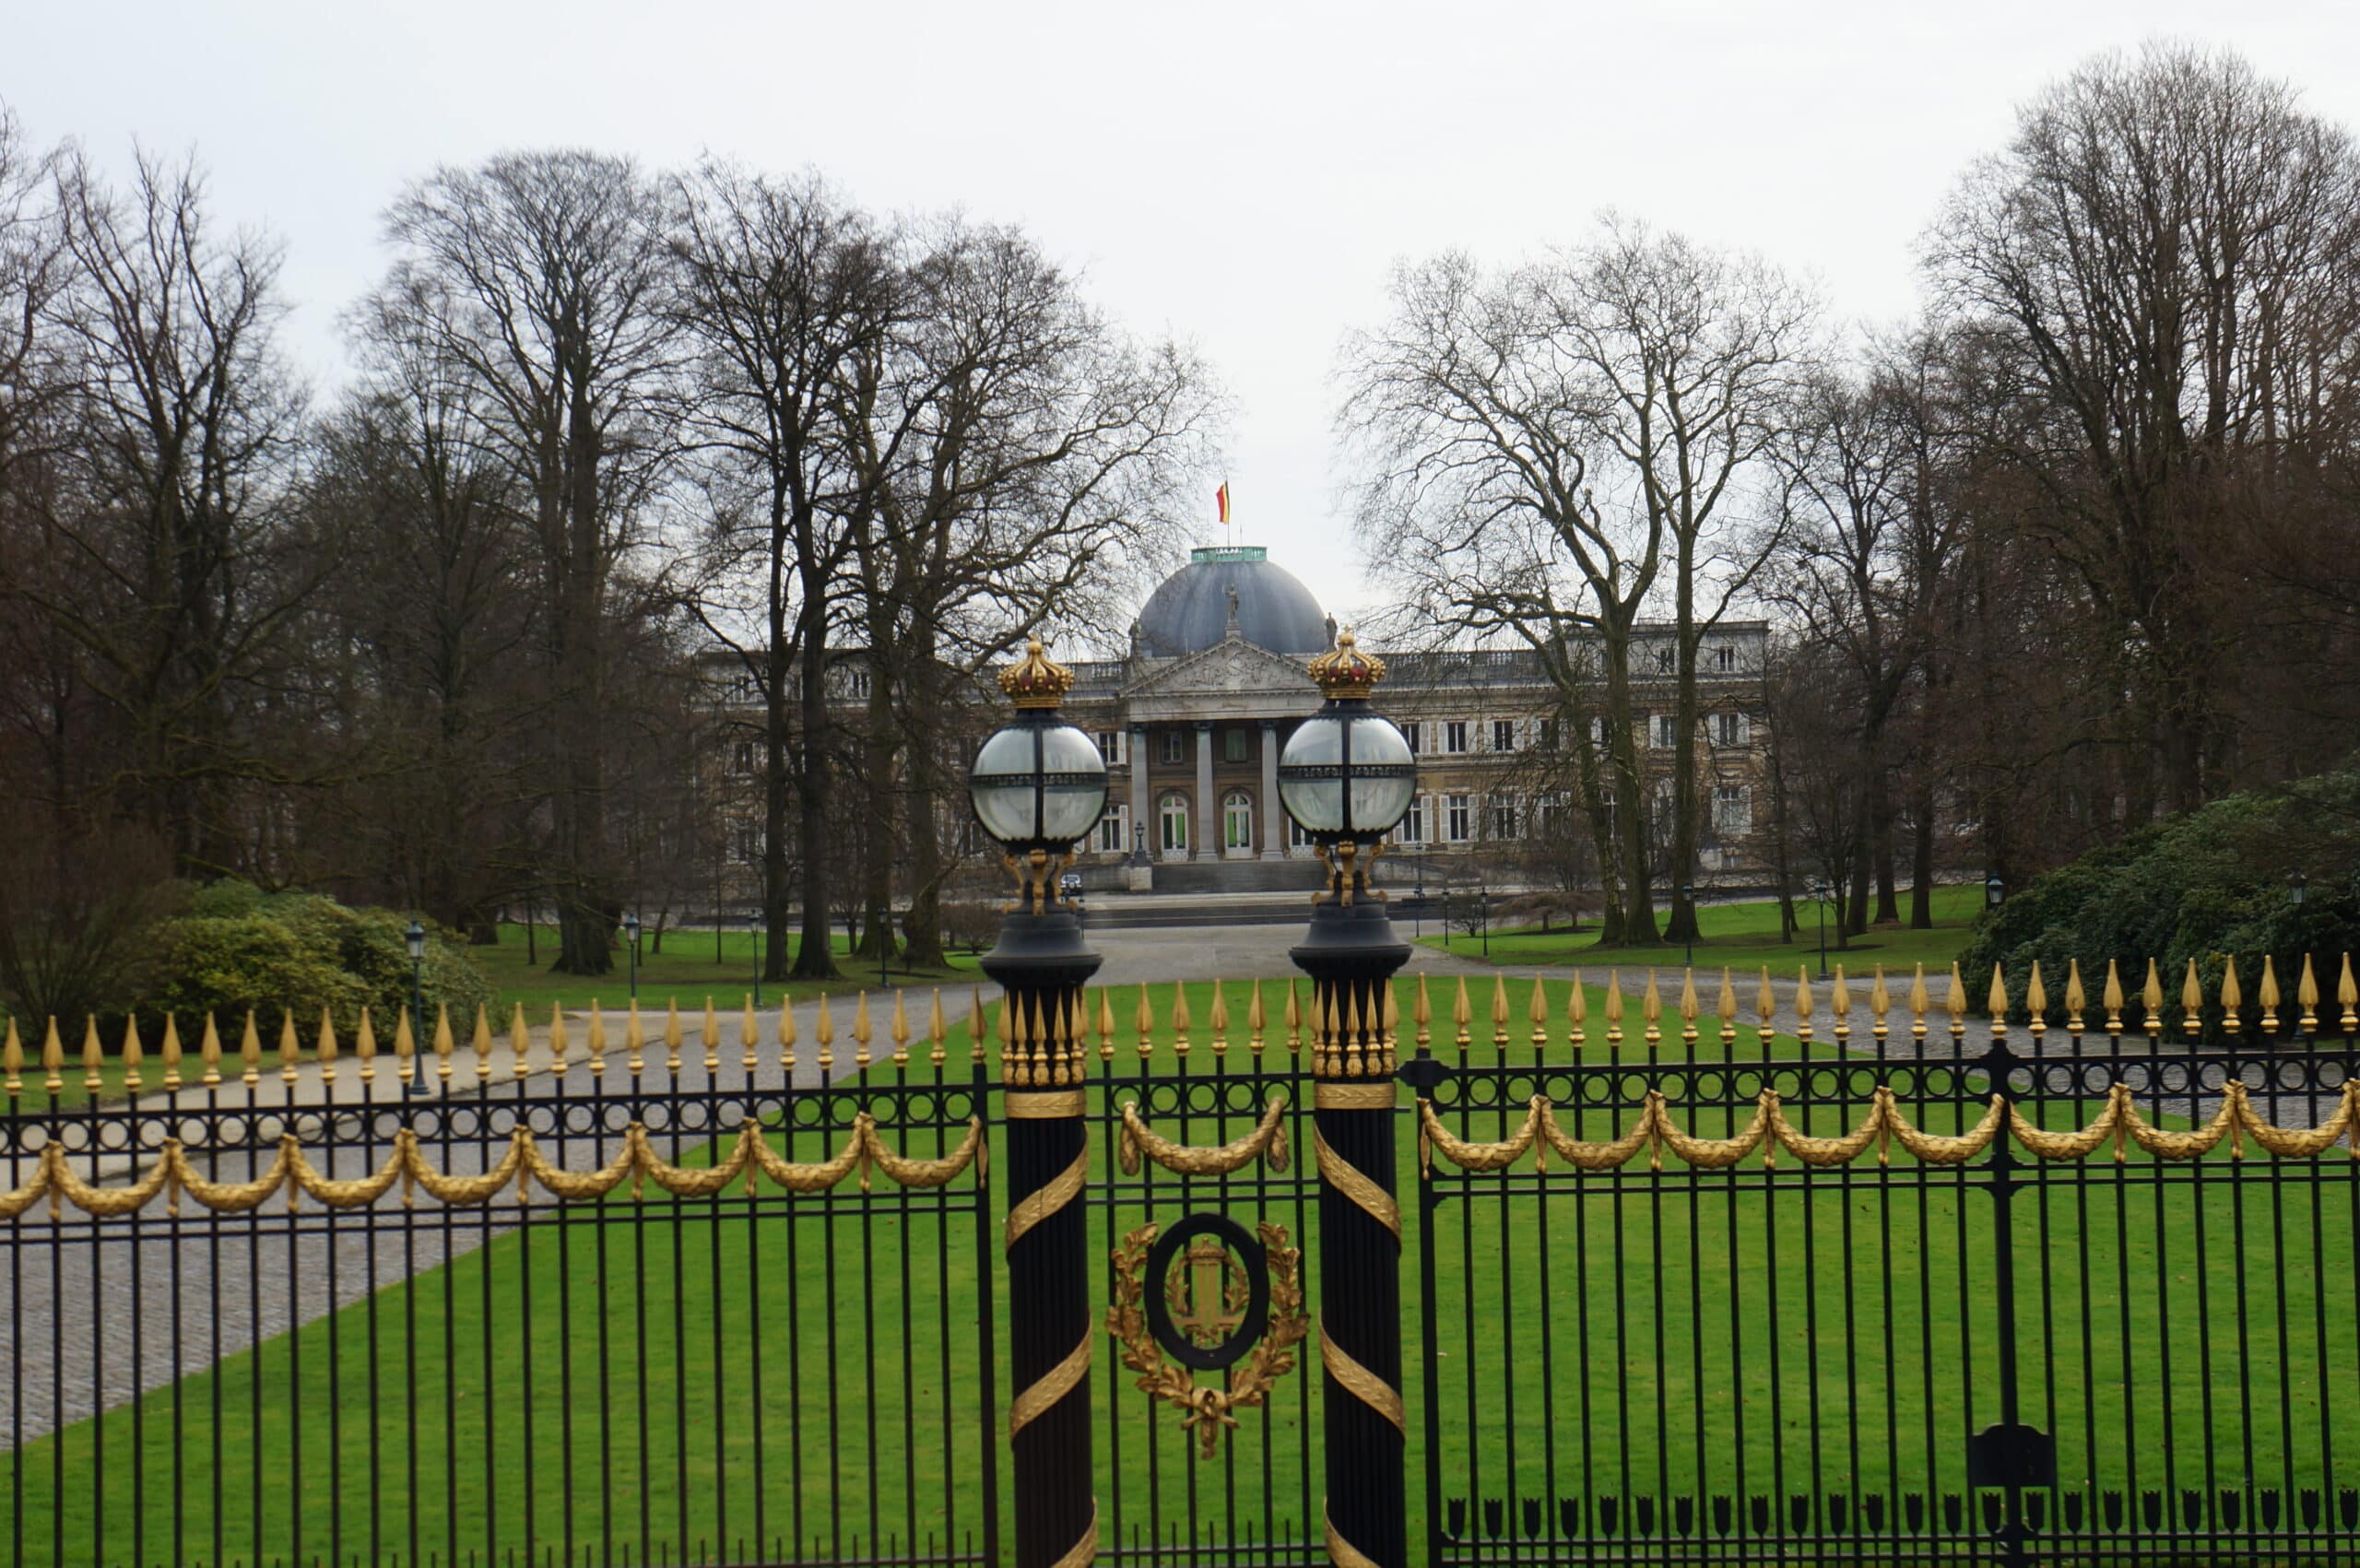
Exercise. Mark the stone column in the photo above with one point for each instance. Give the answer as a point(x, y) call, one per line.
point(1274, 815)
point(1208, 846)
point(1141, 822)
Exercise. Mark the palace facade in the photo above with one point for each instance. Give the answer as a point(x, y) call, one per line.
point(1193, 720)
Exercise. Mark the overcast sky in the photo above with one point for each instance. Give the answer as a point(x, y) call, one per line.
point(1243, 175)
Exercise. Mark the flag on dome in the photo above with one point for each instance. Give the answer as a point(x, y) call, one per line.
point(1220, 497)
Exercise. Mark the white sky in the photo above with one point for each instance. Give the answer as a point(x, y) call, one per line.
point(1243, 175)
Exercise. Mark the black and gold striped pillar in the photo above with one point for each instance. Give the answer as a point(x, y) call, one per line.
point(1350, 955)
point(1041, 964)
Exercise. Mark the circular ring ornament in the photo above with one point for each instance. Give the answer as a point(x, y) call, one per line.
point(1257, 1349)
point(1209, 1312)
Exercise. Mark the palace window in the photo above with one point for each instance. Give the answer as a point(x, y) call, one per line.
point(1232, 746)
point(1667, 659)
point(1665, 731)
point(1172, 813)
point(1115, 830)
point(1413, 826)
point(1503, 735)
point(1415, 733)
point(1110, 747)
point(1503, 818)
point(1174, 748)
point(1733, 809)
point(742, 759)
point(1296, 837)
point(1454, 736)
point(1237, 817)
point(1549, 812)
point(1458, 817)
point(749, 841)
point(1730, 729)
point(1725, 659)
point(1545, 734)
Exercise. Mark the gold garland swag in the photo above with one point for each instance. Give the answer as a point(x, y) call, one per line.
point(523, 1165)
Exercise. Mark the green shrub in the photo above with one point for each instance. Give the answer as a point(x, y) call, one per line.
point(234, 947)
point(2207, 885)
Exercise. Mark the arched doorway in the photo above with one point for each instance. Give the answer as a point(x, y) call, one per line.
point(1172, 813)
point(1237, 824)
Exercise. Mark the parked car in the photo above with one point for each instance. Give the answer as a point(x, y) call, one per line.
point(1069, 885)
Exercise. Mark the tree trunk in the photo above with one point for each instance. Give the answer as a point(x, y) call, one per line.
point(1922, 860)
point(1638, 902)
point(1888, 908)
point(814, 958)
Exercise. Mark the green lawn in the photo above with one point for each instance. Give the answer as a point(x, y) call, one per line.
point(1744, 936)
point(687, 967)
point(730, 1369)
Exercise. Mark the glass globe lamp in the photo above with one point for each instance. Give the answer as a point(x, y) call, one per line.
point(1347, 776)
point(1039, 784)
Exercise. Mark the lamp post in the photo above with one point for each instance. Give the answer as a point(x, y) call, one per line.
point(1347, 777)
point(1820, 892)
point(1688, 897)
point(630, 939)
point(1038, 787)
point(415, 939)
point(1994, 892)
point(2296, 885)
point(754, 938)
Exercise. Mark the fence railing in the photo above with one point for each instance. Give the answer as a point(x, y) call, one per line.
point(1840, 1272)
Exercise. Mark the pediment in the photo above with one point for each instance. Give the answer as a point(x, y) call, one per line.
point(1233, 667)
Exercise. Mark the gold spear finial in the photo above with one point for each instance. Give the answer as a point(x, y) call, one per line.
point(12, 1063)
point(326, 1048)
point(249, 1052)
point(900, 1029)
point(209, 1054)
point(290, 1049)
point(1461, 1016)
point(364, 1046)
point(2111, 999)
point(94, 1058)
point(520, 1042)
point(1254, 1020)
point(2192, 1001)
point(937, 1033)
point(1535, 1013)
point(861, 1032)
point(597, 1042)
point(53, 1058)
point(404, 1049)
point(133, 1056)
point(172, 1048)
point(976, 1030)
point(1106, 1023)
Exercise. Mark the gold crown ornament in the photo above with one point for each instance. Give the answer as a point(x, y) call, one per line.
point(1344, 671)
point(1036, 680)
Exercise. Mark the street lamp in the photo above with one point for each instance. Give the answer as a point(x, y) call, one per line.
point(630, 937)
point(415, 939)
point(1688, 897)
point(1820, 892)
point(754, 939)
point(1994, 892)
point(1347, 776)
point(1038, 785)
point(2295, 883)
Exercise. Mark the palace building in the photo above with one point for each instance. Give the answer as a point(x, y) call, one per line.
point(1192, 720)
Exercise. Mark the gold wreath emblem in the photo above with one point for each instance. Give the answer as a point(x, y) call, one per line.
point(1206, 1410)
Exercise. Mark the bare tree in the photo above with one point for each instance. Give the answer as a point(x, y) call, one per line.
point(1024, 458)
point(540, 275)
point(2163, 261)
point(781, 287)
point(188, 567)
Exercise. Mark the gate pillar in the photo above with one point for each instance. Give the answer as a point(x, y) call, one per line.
point(1042, 964)
point(1350, 953)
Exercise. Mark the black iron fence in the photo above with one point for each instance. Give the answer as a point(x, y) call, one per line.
point(1835, 1276)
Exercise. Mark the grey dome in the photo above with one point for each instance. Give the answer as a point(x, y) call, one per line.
point(1189, 610)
